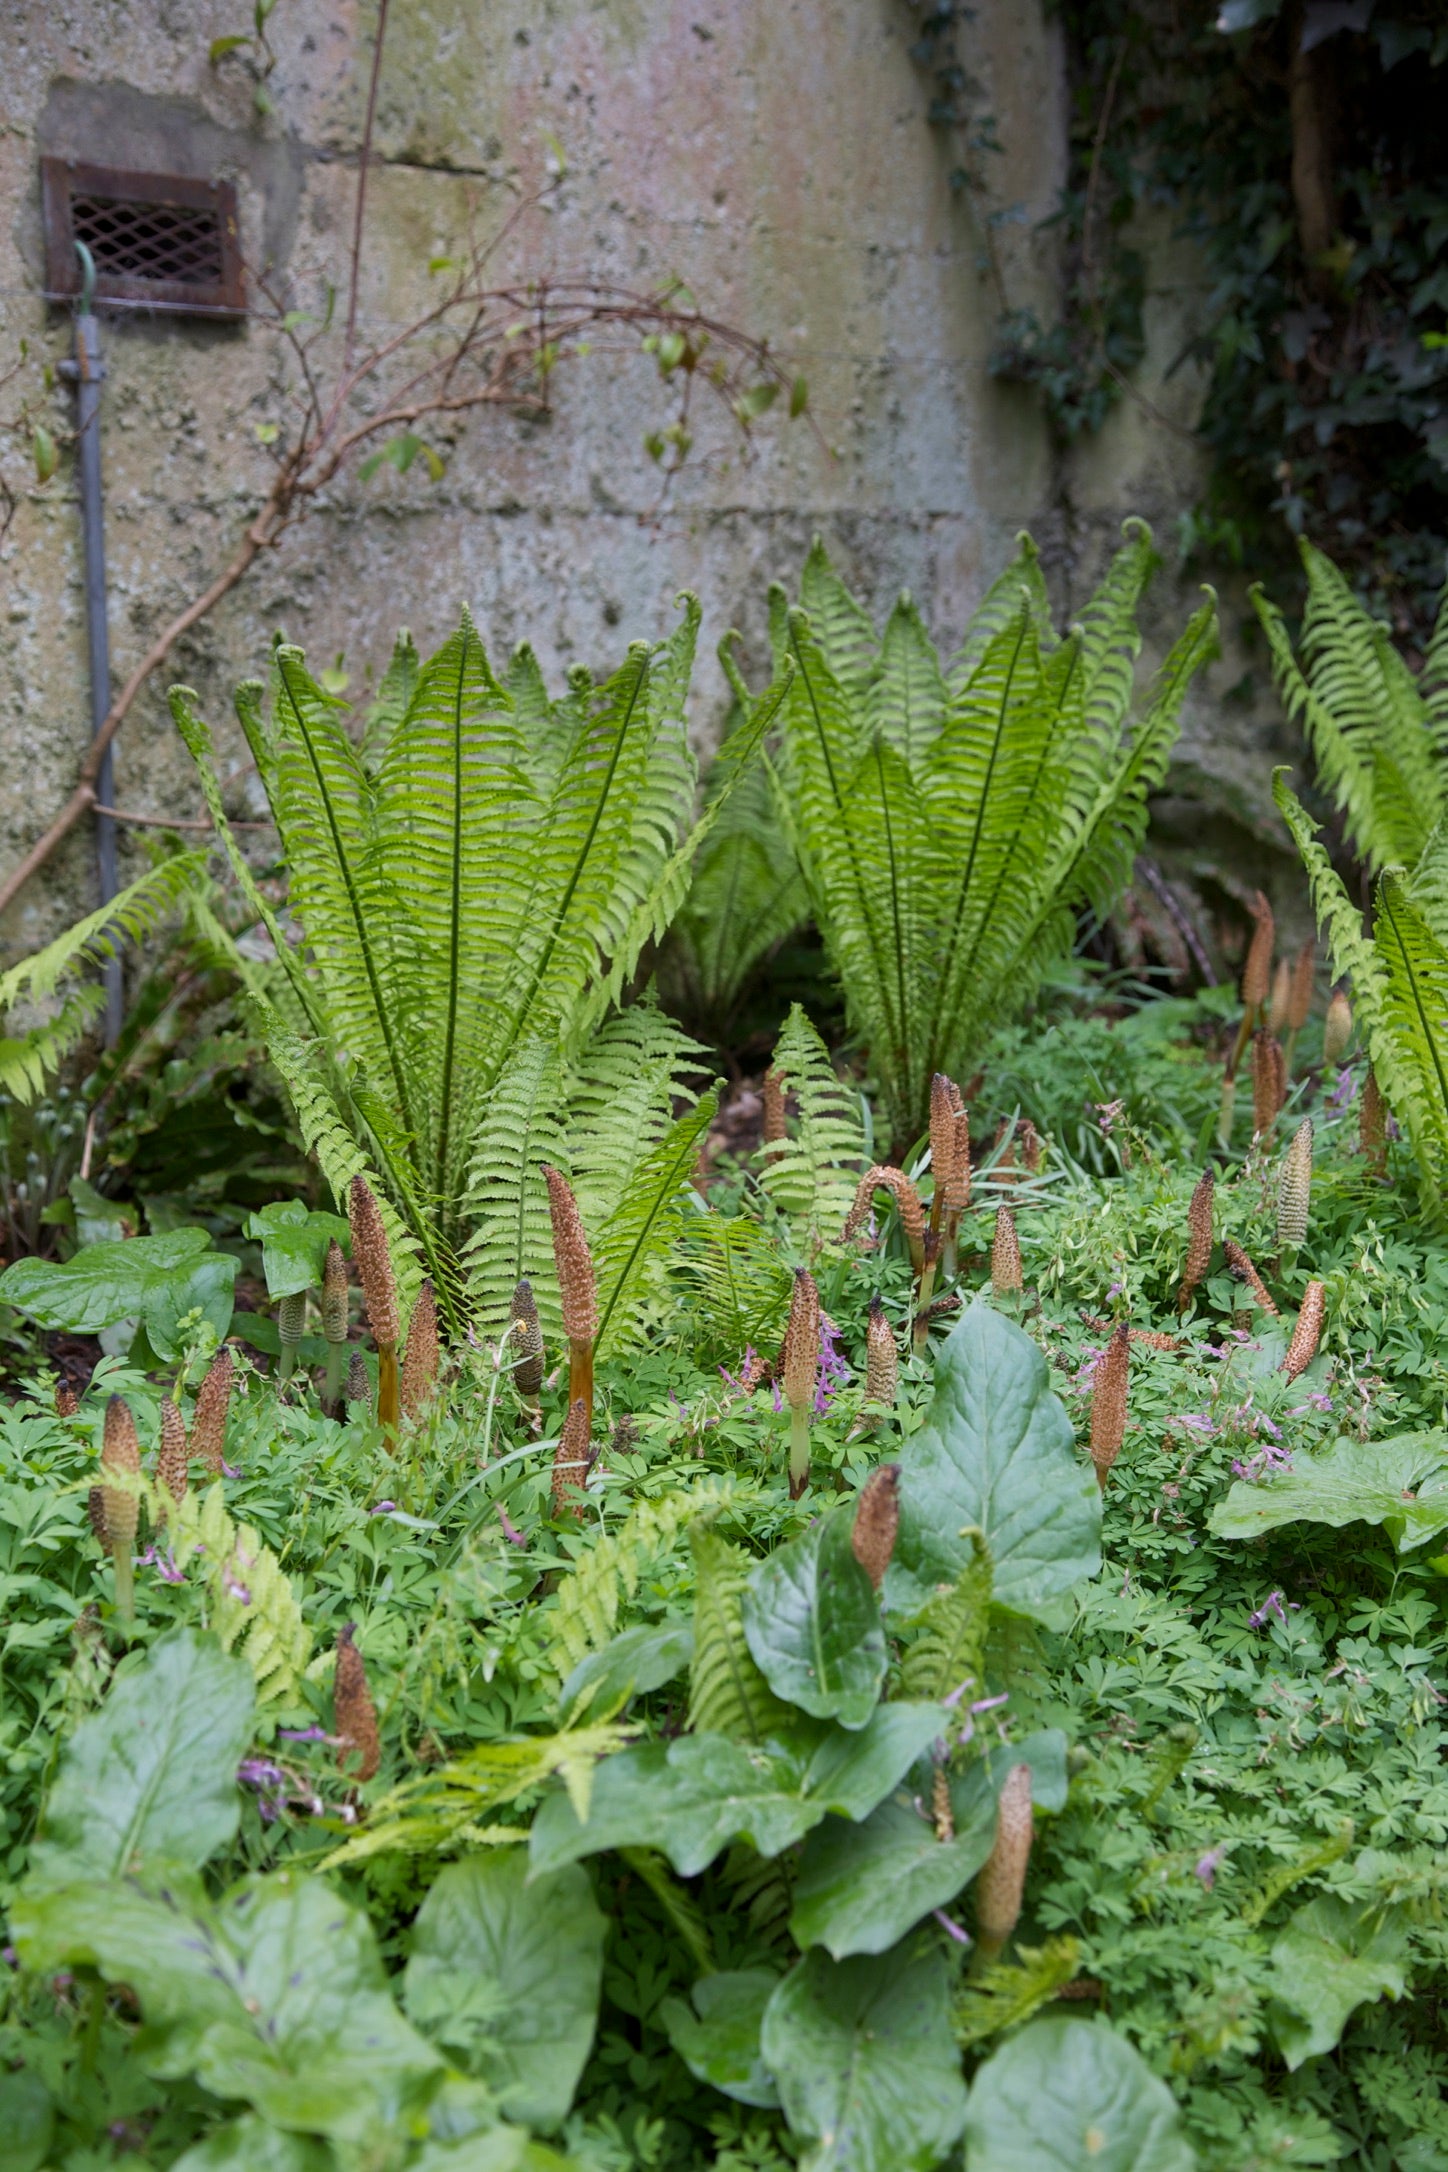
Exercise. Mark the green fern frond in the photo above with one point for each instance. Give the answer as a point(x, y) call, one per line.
point(740, 1287)
point(811, 1175)
point(394, 695)
point(686, 1918)
point(953, 1625)
point(586, 1608)
point(635, 1241)
point(727, 1693)
point(1021, 582)
point(1007, 1993)
point(29, 1060)
point(524, 1126)
point(132, 914)
point(908, 698)
point(620, 1087)
point(253, 1608)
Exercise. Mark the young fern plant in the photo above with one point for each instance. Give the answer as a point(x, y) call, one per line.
point(952, 819)
point(1378, 735)
point(1399, 974)
point(481, 873)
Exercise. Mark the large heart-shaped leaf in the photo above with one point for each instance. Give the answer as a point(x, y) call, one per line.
point(150, 1780)
point(294, 1241)
point(157, 1280)
point(277, 1996)
point(505, 1975)
point(691, 1797)
point(1331, 1959)
point(252, 2145)
point(996, 1454)
point(867, 2068)
point(1065, 2094)
point(861, 1887)
point(812, 1621)
point(717, 2037)
point(1401, 1483)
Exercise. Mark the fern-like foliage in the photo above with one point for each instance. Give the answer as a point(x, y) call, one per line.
point(1378, 736)
point(586, 1610)
point(745, 897)
point(739, 1283)
point(727, 1693)
point(253, 1607)
point(1399, 975)
point(480, 876)
point(1009, 1992)
point(952, 823)
point(953, 1625)
point(29, 1059)
point(811, 1174)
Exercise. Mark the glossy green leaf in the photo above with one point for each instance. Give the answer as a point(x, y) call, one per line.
point(294, 1244)
point(276, 1996)
point(629, 1665)
point(505, 1975)
point(996, 1453)
point(867, 2068)
point(1401, 1483)
point(1332, 1958)
point(860, 1888)
point(812, 1621)
point(691, 1797)
point(157, 1280)
point(253, 2145)
point(150, 1779)
point(1065, 2094)
point(717, 2036)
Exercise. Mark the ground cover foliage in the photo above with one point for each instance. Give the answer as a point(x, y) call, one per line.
point(619, 1641)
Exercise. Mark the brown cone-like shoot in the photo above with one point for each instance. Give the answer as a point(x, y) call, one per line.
point(1001, 1885)
point(1373, 1125)
point(173, 1458)
point(291, 1325)
point(1307, 1334)
point(374, 1264)
point(334, 1293)
point(1005, 1254)
point(359, 1387)
point(571, 1459)
point(420, 1364)
point(1257, 971)
point(1294, 1189)
point(574, 1264)
point(942, 1145)
point(527, 1342)
point(882, 1358)
point(1243, 1269)
point(1281, 1000)
point(877, 1519)
point(1336, 1027)
point(799, 1371)
point(213, 1400)
point(1199, 1237)
point(121, 1457)
point(884, 1177)
point(1269, 1081)
point(1109, 1385)
point(67, 1402)
point(773, 1097)
point(356, 1715)
point(95, 1508)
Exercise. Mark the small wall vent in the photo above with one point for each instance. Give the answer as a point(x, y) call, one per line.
point(166, 242)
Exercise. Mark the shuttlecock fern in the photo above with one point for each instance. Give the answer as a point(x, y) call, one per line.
point(811, 1173)
point(485, 885)
point(950, 825)
point(1399, 975)
point(727, 1693)
point(1376, 733)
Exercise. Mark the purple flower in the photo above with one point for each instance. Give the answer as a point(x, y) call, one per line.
point(302, 1734)
point(232, 1470)
point(951, 1928)
point(510, 1530)
point(1107, 1114)
point(239, 1591)
point(167, 1569)
point(1272, 1604)
point(833, 1372)
point(1206, 1866)
point(1197, 1421)
point(383, 1508)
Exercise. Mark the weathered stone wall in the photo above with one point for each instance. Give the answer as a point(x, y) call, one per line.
point(779, 159)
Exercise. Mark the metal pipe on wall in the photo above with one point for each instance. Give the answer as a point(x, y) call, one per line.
point(88, 370)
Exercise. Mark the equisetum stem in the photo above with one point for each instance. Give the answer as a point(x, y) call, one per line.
point(798, 1452)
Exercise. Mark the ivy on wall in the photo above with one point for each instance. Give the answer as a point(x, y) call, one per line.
point(1301, 144)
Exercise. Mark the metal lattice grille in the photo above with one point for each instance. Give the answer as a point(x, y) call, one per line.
point(158, 241)
point(149, 241)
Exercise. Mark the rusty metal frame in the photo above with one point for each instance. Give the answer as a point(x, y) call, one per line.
point(61, 179)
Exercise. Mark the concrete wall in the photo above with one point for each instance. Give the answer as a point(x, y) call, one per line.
point(778, 158)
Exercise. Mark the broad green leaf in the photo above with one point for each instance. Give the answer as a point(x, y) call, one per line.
point(812, 1621)
point(1401, 1483)
point(717, 2037)
point(630, 1665)
point(867, 2069)
point(155, 1279)
point(27, 2121)
point(861, 1887)
point(691, 1797)
point(1332, 1958)
point(996, 1454)
point(294, 1244)
point(277, 1996)
point(250, 2144)
point(150, 1779)
point(1066, 2094)
point(505, 1976)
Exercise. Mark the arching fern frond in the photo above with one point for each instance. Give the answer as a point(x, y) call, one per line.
point(586, 1609)
point(740, 1287)
point(635, 1241)
point(950, 1648)
point(253, 1607)
point(727, 1693)
point(811, 1174)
